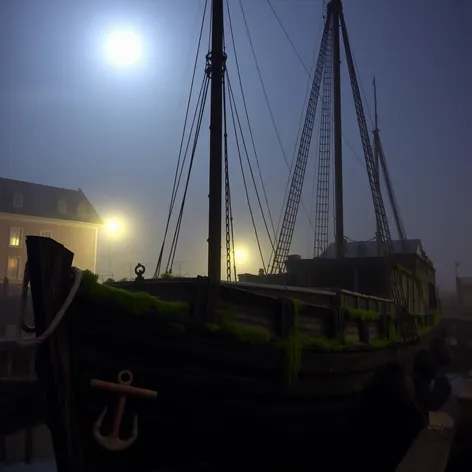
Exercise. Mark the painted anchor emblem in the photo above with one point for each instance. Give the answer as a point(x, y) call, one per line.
point(124, 388)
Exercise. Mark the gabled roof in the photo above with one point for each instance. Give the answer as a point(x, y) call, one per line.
point(45, 201)
point(369, 248)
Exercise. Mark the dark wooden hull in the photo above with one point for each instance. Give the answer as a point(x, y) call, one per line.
point(221, 400)
point(212, 389)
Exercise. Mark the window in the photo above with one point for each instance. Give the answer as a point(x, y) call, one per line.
point(46, 234)
point(13, 269)
point(62, 207)
point(18, 200)
point(16, 237)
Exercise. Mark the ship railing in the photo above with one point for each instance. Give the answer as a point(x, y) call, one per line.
point(281, 288)
point(366, 302)
point(345, 298)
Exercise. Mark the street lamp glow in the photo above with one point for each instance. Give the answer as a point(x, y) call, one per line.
point(241, 256)
point(113, 226)
point(123, 48)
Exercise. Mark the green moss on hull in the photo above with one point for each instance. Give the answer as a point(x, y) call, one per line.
point(250, 334)
point(143, 303)
point(293, 349)
point(135, 302)
point(360, 314)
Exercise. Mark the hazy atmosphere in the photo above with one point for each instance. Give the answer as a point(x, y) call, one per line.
point(72, 117)
point(235, 225)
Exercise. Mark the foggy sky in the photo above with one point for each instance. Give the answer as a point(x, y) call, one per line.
point(68, 119)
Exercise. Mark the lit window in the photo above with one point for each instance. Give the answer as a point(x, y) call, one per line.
point(46, 234)
point(62, 207)
point(18, 200)
point(13, 269)
point(16, 237)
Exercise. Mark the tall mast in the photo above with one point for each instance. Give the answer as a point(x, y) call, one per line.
point(377, 160)
point(217, 59)
point(336, 9)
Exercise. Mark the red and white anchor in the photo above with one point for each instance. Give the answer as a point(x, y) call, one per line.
point(113, 441)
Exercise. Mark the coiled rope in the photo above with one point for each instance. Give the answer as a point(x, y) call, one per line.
point(22, 326)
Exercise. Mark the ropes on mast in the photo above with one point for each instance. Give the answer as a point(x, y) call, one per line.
point(235, 120)
point(230, 252)
point(248, 121)
point(290, 166)
point(274, 124)
point(201, 109)
point(187, 152)
point(279, 21)
point(180, 161)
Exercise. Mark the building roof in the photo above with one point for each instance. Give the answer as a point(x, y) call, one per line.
point(44, 201)
point(369, 248)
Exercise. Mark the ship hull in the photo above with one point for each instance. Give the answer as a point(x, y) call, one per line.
point(210, 389)
point(211, 397)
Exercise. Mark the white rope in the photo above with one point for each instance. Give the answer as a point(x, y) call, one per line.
point(57, 319)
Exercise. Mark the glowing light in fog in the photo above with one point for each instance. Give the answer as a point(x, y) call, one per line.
point(123, 48)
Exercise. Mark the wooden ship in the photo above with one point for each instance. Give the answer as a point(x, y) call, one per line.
point(164, 372)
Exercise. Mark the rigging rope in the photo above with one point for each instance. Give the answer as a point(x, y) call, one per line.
point(170, 261)
point(356, 155)
point(232, 109)
point(279, 140)
point(369, 114)
point(250, 166)
point(230, 253)
point(248, 120)
point(177, 174)
point(299, 131)
point(287, 36)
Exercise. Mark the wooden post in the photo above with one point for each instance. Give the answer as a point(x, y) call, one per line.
point(199, 303)
point(49, 265)
point(340, 316)
point(28, 444)
point(285, 321)
point(284, 324)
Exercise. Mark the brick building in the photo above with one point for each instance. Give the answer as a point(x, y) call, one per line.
point(33, 209)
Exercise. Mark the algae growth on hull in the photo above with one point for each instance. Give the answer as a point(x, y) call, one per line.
point(141, 303)
point(138, 303)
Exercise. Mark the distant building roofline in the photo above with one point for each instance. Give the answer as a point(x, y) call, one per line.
point(22, 198)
